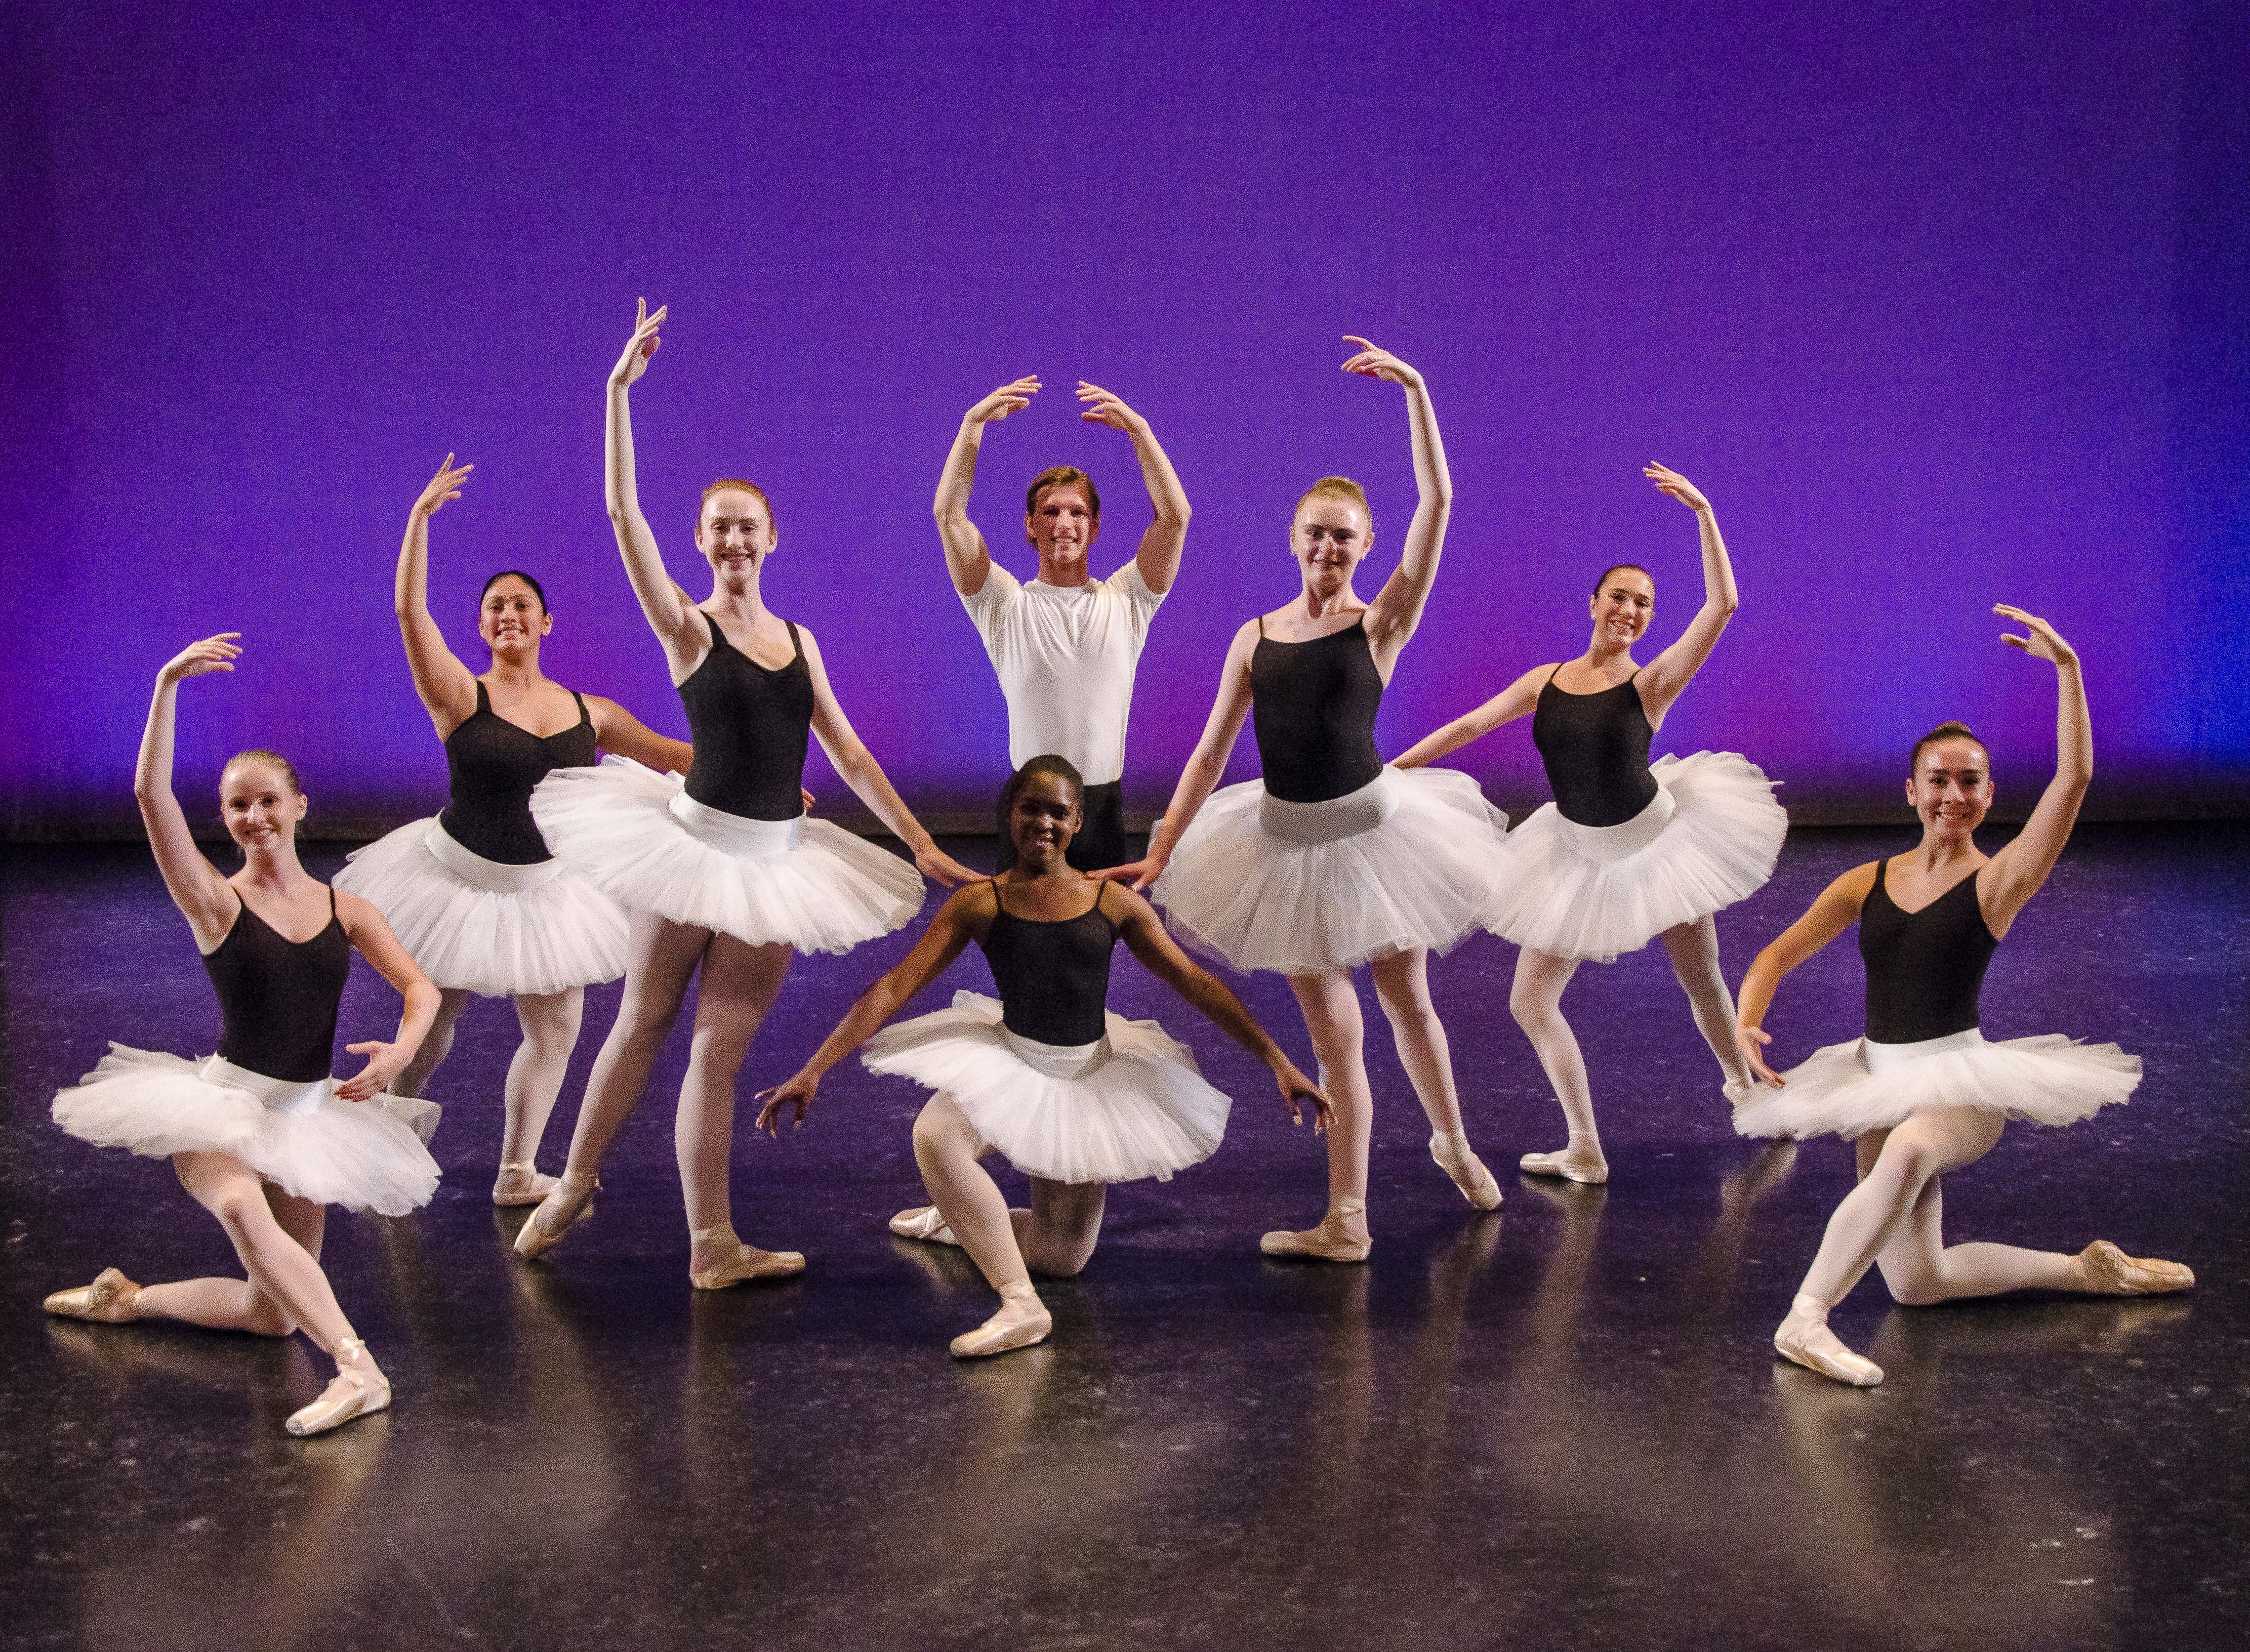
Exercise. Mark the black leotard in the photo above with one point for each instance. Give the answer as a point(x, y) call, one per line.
point(1314, 704)
point(278, 998)
point(1595, 747)
point(1924, 968)
point(1053, 974)
point(750, 725)
point(493, 765)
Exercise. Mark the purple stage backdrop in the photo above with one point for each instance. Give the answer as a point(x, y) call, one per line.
point(1942, 305)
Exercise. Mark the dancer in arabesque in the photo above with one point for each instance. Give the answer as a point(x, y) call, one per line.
point(1627, 852)
point(1924, 1093)
point(260, 1134)
point(1071, 1093)
point(724, 873)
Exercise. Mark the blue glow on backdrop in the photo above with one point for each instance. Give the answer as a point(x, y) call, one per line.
point(1940, 306)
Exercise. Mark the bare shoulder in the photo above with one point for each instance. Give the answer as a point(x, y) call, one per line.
point(358, 915)
point(1854, 885)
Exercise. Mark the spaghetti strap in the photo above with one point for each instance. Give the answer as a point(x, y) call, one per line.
point(1557, 671)
point(795, 641)
point(1261, 627)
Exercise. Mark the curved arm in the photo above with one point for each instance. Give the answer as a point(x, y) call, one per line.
point(1672, 670)
point(365, 928)
point(446, 688)
point(1158, 558)
point(1835, 910)
point(864, 775)
point(2019, 869)
point(672, 619)
point(1204, 766)
point(966, 558)
point(618, 730)
point(1519, 698)
point(197, 888)
point(1397, 607)
point(950, 932)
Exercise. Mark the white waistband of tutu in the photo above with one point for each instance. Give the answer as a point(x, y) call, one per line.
point(737, 835)
point(1331, 818)
point(1610, 844)
point(1058, 1061)
point(1890, 1058)
point(494, 876)
point(280, 1095)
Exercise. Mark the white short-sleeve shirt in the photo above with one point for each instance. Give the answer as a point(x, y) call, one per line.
point(1066, 658)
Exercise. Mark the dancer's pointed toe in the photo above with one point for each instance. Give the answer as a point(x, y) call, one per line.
point(2104, 1270)
point(1477, 1183)
point(112, 1299)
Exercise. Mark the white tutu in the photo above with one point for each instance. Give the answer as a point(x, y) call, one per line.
point(1707, 839)
point(483, 926)
point(363, 1155)
point(642, 839)
point(1411, 859)
point(1130, 1106)
point(1847, 1089)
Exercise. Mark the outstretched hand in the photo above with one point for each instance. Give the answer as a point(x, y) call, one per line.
point(936, 864)
point(447, 484)
point(796, 1093)
point(1379, 363)
point(385, 1062)
point(1139, 873)
point(1752, 1041)
point(213, 654)
point(1299, 1091)
point(1009, 398)
point(2042, 643)
point(640, 347)
point(1102, 408)
point(1674, 485)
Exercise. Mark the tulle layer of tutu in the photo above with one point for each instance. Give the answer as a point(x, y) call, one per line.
point(828, 894)
point(2046, 1080)
point(1562, 896)
point(1142, 1111)
point(365, 1155)
point(564, 933)
point(1423, 877)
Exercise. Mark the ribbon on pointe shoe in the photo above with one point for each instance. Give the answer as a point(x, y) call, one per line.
point(351, 1393)
point(1325, 1242)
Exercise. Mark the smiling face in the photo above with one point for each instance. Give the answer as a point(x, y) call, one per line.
point(1044, 817)
point(735, 533)
point(260, 804)
point(1329, 537)
point(1622, 606)
point(1062, 525)
point(511, 618)
point(1950, 786)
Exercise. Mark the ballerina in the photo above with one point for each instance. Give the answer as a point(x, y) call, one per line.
point(1627, 853)
point(726, 873)
point(260, 1134)
point(1066, 645)
point(1924, 1093)
point(472, 894)
point(1071, 1093)
point(1332, 860)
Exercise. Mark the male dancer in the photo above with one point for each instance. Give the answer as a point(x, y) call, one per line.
point(1066, 645)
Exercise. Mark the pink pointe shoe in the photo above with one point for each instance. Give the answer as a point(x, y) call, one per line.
point(1330, 1242)
point(566, 1205)
point(112, 1299)
point(353, 1392)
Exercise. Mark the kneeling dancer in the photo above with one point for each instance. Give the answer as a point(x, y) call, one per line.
point(1923, 1093)
point(1073, 1096)
point(260, 1134)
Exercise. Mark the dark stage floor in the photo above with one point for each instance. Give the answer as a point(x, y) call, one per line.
point(1559, 1426)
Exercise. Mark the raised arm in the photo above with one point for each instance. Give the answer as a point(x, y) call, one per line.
point(672, 619)
point(1397, 607)
point(1835, 910)
point(2019, 870)
point(940, 945)
point(1158, 558)
point(1143, 932)
point(1519, 698)
point(365, 928)
point(618, 730)
point(447, 688)
point(1204, 766)
point(197, 886)
point(966, 559)
point(864, 775)
point(1676, 666)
